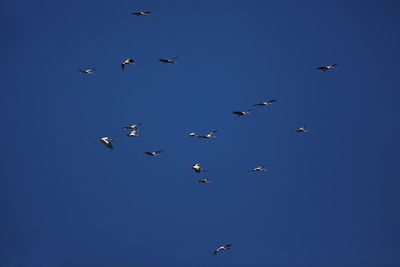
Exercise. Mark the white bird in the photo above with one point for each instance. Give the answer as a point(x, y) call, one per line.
point(204, 181)
point(133, 133)
point(224, 247)
point(259, 168)
point(303, 130)
point(325, 68)
point(141, 13)
point(156, 153)
point(106, 141)
point(267, 103)
point(196, 168)
point(129, 61)
point(133, 127)
point(208, 136)
point(241, 113)
point(87, 71)
point(165, 61)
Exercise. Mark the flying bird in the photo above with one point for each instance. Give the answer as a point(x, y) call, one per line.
point(241, 113)
point(260, 168)
point(208, 136)
point(165, 61)
point(156, 153)
point(106, 141)
point(191, 135)
point(224, 247)
point(325, 68)
point(196, 168)
point(303, 130)
point(133, 133)
point(129, 61)
point(87, 71)
point(141, 13)
point(133, 127)
point(204, 181)
point(267, 103)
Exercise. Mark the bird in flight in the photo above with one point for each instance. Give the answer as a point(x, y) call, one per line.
point(208, 136)
point(129, 61)
point(259, 168)
point(204, 181)
point(165, 61)
point(241, 113)
point(106, 141)
point(267, 103)
point(303, 130)
point(87, 71)
point(191, 135)
point(224, 247)
point(196, 168)
point(141, 13)
point(325, 68)
point(133, 133)
point(133, 127)
point(155, 153)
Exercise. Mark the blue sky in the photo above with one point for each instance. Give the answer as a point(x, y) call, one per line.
point(330, 198)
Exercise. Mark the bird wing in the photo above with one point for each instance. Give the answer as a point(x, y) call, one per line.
point(159, 151)
point(122, 66)
point(271, 101)
point(109, 145)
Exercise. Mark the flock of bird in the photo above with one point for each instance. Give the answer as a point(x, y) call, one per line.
point(134, 129)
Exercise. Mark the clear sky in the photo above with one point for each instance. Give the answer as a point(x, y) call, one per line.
point(331, 197)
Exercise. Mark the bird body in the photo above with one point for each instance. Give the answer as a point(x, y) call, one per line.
point(128, 61)
point(224, 247)
point(196, 168)
point(208, 136)
point(204, 181)
point(241, 113)
point(325, 68)
point(87, 71)
point(133, 127)
point(165, 61)
point(106, 141)
point(133, 133)
point(155, 153)
point(259, 168)
point(191, 135)
point(266, 103)
point(141, 13)
point(303, 130)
